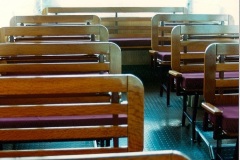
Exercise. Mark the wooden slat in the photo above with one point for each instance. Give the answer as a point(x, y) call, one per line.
point(193, 55)
point(150, 155)
point(120, 19)
point(46, 68)
point(126, 36)
point(227, 83)
point(67, 133)
point(54, 20)
point(62, 110)
point(205, 29)
point(192, 69)
point(53, 152)
point(227, 67)
point(112, 9)
point(67, 85)
point(55, 31)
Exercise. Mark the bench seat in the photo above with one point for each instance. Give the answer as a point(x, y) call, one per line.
point(131, 42)
point(163, 56)
point(194, 81)
point(230, 118)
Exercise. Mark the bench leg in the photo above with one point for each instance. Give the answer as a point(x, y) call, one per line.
point(194, 116)
point(161, 79)
point(236, 152)
point(169, 89)
point(184, 109)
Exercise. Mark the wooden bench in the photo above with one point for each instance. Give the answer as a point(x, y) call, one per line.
point(35, 58)
point(129, 27)
point(162, 25)
point(54, 33)
point(149, 155)
point(188, 46)
point(61, 59)
point(18, 86)
point(221, 95)
point(36, 20)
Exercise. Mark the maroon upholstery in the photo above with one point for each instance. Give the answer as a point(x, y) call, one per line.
point(194, 81)
point(131, 42)
point(230, 118)
point(60, 121)
point(53, 38)
point(164, 56)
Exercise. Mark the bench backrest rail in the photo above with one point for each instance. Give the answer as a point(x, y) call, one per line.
point(54, 33)
point(150, 155)
point(54, 20)
point(71, 10)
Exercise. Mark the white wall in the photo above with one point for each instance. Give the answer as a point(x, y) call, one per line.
point(9, 8)
point(115, 3)
point(217, 7)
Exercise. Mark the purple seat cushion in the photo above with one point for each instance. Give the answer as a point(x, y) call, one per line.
point(164, 56)
point(230, 118)
point(194, 81)
point(131, 42)
point(60, 121)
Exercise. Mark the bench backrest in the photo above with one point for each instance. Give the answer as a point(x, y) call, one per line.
point(149, 155)
point(123, 22)
point(54, 20)
point(54, 33)
point(133, 107)
point(188, 44)
point(113, 10)
point(59, 58)
point(162, 25)
point(220, 60)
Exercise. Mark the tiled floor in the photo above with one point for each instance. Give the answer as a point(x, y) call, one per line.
point(162, 126)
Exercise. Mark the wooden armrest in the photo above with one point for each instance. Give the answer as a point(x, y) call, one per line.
point(175, 73)
point(211, 108)
point(152, 51)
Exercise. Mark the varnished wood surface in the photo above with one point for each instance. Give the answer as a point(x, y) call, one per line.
point(57, 10)
point(168, 21)
point(59, 59)
point(67, 85)
point(214, 66)
point(162, 25)
point(220, 92)
point(54, 20)
point(120, 26)
point(193, 49)
point(110, 61)
point(37, 33)
point(149, 155)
